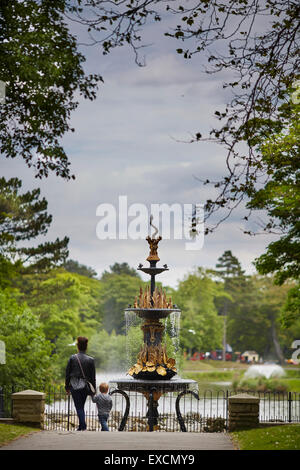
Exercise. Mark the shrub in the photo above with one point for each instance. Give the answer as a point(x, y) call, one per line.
point(260, 384)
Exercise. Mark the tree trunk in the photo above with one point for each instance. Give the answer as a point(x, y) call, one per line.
point(224, 338)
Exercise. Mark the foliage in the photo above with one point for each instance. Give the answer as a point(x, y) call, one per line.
point(108, 351)
point(215, 425)
point(254, 319)
point(63, 305)
point(28, 352)
point(74, 267)
point(260, 384)
point(172, 337)
point(134, 342)
point(261, 61)
point(44, 75)
point(64, 348)
point(119, 268)
point(8, 272)
point(263, 65)
point(280, 197)
point(23, 217)
point(201, 327)
point(291, 309)
point(254, 309)
point(232, 277)
point(229, 267)
point(119, 290)
point(66, 303)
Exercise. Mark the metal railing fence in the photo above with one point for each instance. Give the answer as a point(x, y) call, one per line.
point(208, 414)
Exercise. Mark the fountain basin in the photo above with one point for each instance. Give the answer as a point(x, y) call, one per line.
point(154, 375)
point(175, 384)
point(152, 313)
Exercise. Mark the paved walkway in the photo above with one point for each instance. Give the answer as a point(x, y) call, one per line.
point(88, 440)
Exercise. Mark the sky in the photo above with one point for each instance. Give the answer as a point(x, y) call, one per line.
point(131, 141)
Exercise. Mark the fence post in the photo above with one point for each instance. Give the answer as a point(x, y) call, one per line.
point(29, 407)
point(227, 395)
point(243, 412)
point(69, 399)
point(290, 407)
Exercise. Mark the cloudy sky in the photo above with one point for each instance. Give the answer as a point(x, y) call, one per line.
point(130, 142)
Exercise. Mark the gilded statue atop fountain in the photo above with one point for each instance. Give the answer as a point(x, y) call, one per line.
point(153, 243)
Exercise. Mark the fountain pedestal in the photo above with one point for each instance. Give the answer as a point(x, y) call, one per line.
point(153, 390)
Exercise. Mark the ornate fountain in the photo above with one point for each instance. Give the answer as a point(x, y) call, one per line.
point(154, 373)
point(153, 305)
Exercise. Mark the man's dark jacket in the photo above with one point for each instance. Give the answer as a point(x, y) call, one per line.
point(73, 369)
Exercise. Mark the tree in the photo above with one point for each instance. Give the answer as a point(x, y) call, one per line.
point(44, 74)
point(108, 351)
point(120, 268)
point(256, 41)
point(253, 320)
point(23, 217)
point(271, 302)
point(119, 290)
point(67, 304)
point(229, 269)
point(75, 267)
point(280, 197)
point(28, 363)
point(201, 327)
point(8, 272)
point(291, 309)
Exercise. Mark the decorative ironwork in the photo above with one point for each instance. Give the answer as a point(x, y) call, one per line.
point(127, 409)
point(177, 407)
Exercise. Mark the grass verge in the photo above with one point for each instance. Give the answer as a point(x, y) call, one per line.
point(285, 437)
point(209, 364)
point(9, 432)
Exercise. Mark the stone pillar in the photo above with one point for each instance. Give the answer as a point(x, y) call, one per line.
point(243, 412)
point(29, 407)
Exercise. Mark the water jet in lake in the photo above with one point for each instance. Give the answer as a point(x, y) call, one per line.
point(264, 370)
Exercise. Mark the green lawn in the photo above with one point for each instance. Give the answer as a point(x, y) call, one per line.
point(209, 364)
point(285, 437)
point(8, 432)
point(220, 375)
point(293, 384)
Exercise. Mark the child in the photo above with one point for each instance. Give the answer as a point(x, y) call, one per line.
point(104, 405)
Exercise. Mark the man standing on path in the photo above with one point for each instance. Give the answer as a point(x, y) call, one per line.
point(80, 368)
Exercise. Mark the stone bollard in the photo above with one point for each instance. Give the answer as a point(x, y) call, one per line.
point(243, 410)
point(29, 407)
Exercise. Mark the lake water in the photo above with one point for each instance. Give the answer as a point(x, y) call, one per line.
point(210, 404)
